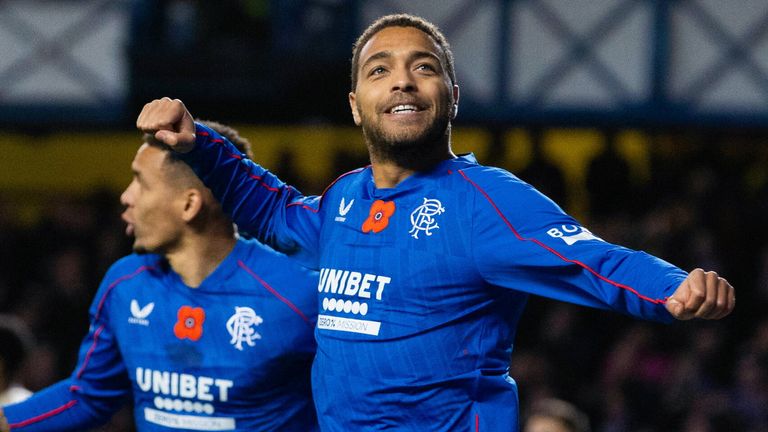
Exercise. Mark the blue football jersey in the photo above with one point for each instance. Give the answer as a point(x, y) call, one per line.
point(421, 286)
point(233, 354)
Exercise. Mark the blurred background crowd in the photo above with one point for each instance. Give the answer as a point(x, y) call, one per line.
point(681, 174)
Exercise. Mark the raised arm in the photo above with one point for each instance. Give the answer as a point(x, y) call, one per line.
point(258, 202)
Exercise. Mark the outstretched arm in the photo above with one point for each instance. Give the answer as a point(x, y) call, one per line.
point(525, 242)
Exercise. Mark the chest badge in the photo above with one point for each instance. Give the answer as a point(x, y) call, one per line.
point(139, 314)
point(241, 327)
point(378, 216)
point(344, 208)
point(423, 218)
point(190, 323)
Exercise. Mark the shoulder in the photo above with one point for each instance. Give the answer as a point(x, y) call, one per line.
point(124, 276)
point(501, 188)
point(316, 203)
point(349, 178)
point(262, 256)
point(484, 178)
point(483, 173)
point(134, 265)
point(256, 250)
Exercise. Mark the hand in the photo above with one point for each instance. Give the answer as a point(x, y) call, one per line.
point(702, 295)
point(170, 122)
point(4, 427)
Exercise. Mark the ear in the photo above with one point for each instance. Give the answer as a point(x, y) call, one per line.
point(455, 108)
point(193, 204)
point(353, 107)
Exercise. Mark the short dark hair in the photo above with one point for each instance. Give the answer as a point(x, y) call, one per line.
point(181, 169)
point(15, 344)
point(402, 20)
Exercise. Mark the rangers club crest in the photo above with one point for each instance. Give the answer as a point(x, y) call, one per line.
point(241, 327)
point(423, 218)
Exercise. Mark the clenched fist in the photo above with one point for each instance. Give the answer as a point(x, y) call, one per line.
point(702, 295)
point(170, 122)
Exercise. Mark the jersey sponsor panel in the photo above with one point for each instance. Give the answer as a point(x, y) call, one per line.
point(352, 283)
point(571, 234)
point(186, 386)
point(350, 292)
point(189, 422)
point(351, 325)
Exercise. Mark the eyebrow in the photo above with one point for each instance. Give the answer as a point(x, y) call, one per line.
point(412, 56)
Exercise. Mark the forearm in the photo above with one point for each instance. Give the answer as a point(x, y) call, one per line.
point(60, 407)
point(256, 199)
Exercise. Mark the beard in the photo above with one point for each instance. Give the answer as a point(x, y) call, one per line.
point(407, 146)
point(139, 248)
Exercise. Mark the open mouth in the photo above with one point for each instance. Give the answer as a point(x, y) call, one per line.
point(401, 108)
point(129, 227)
point(404, 109)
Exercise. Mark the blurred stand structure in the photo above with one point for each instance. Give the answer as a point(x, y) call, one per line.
point(645, 119)
point(584, 62)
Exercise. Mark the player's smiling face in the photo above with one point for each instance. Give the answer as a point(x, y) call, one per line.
point(152, 204)
point(404, 96)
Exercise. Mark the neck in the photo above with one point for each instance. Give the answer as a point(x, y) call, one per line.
point(199, 254)
point(391, 168)
point(388, 175)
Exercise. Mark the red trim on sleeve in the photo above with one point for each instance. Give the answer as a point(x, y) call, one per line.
point(320, 202)
point(477, 422)
point(240, 157)
point(272, 290)
point(304, 206)
point(271, 188)
point(354, 171)
point(114, 284)
point(98, 313)
point(44, 416)
point(549, 249)
point(90, 350)
point(247, 168)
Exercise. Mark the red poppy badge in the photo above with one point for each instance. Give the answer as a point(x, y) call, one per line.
point(190, 323)
point(378, 216)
